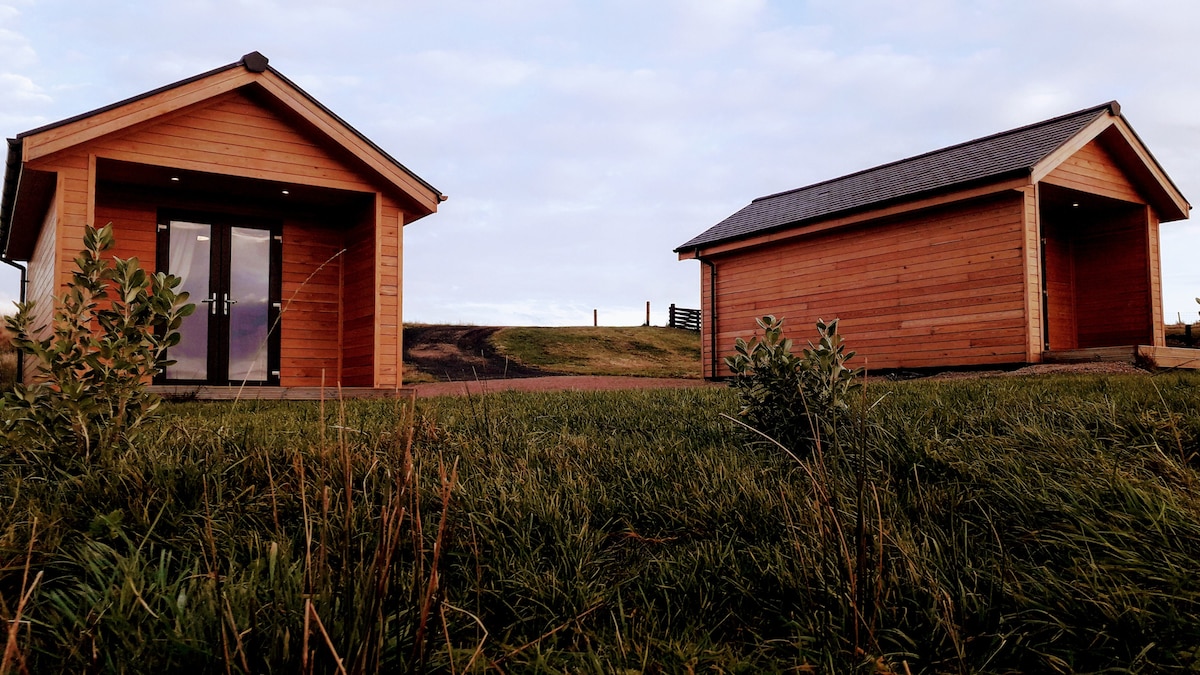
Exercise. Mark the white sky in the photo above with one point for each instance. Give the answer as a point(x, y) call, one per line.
point(580, 142)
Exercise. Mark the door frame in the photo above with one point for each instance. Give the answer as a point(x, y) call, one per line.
point(219, 265)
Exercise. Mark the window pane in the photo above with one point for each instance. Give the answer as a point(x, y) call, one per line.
point(191, 246)
point(249, 295)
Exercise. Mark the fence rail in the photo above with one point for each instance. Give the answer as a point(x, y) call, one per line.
point(1182, 318)
point(687, 319)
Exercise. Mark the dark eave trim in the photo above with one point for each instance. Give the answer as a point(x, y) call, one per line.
point(698, 249)
point(8, 197)
point(1154, 159)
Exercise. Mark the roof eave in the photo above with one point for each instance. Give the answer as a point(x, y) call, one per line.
point(439, 197)
point(8, 196)
point(256, 63)
point(694, 247)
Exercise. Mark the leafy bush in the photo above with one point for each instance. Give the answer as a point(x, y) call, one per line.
point(102, 349)
point(789, 398)
point(8, 364)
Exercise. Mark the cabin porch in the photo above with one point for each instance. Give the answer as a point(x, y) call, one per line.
point(1142, 355)
point(1098, 259)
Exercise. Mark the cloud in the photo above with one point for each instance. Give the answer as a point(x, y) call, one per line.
point(22, 97)
point(581, 141)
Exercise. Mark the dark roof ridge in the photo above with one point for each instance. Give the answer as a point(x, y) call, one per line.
point(1113, 106)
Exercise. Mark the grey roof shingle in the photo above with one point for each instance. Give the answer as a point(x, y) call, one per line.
point(991, 157)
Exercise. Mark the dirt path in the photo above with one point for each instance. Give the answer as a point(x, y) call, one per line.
point(460, 354)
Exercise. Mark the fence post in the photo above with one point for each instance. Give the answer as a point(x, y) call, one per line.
point(671, 316)
point(595, 318)
point(647, 313)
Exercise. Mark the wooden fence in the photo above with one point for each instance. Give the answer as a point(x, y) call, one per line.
point(687, 319)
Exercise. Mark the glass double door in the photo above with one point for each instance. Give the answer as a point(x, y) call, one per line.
point(230, 270)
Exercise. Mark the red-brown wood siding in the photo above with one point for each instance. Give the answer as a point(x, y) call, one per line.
point(1093, 169)
point(40, 278)
point(358, 308)
point(939, 287)
point(311, 292)
point(1112, 282)
point(1060, 286)
point(135, 229)
point(237, 136)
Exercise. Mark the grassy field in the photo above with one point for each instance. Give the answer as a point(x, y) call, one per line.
point(642, 351)
point(1018, 525)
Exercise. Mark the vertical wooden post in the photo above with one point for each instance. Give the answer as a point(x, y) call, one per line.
point(595, 318)
point(647, 313)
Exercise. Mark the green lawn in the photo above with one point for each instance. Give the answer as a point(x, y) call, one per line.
point(1017, 525)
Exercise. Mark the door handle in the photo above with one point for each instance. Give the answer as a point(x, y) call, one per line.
point(228, 303)
point(212, 303)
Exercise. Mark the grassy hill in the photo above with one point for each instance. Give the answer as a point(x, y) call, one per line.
point(640, 351)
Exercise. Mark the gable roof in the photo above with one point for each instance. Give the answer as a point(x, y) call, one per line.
point(253, 68)
point(1009, 154)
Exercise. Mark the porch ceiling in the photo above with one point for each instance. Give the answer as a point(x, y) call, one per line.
point(222, 188)
point(1058, 201)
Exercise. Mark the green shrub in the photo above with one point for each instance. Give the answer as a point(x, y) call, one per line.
point(8, 364)
point(103, 346)
point(792, 399)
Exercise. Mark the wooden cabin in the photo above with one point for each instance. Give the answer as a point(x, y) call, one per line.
point(285, 223)
point(1034, 244)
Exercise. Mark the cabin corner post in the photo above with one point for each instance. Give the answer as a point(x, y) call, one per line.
point(400, 222)
point(1154, 270)
point(1033, 244)
point(711, 273)
point(91, 192)
point(377, 319)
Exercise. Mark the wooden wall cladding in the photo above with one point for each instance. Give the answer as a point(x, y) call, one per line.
point(937, 287)
point(1113, 303)
point(358, 305)
point(310, 327)
point(233, 135)
point(1060, 285)
point(1092, 169)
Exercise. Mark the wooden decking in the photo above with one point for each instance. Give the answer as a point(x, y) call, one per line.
point(206, 393)
point(1147, 355)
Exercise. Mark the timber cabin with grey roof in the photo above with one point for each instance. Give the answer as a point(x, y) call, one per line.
point(1028, 245)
